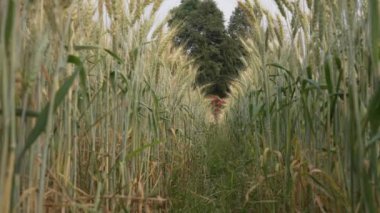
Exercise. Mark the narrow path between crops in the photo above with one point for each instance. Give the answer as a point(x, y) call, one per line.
point(219, 173)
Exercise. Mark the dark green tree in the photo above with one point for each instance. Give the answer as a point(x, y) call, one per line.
point(182, 17)
point(204, 37)
point(239, 26)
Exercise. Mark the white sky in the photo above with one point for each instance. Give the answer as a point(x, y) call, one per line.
point(227, 6)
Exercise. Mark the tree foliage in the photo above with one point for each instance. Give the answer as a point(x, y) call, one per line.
point(239, 28)
point(203, 35)
point(239, 25)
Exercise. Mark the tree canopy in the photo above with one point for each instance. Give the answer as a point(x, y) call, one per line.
point(239, 25)
point(238, 28)
point(203, 35)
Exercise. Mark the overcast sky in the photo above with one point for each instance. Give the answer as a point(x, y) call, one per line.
point(227, 6)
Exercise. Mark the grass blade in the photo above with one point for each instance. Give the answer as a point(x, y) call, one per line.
point(42, 119)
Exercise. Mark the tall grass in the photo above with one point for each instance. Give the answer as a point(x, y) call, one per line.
point(311, 97)
point(98, 112)
point(93, 113)
point(301, 127)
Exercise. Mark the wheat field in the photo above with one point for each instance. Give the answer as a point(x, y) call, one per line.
point(99, 112)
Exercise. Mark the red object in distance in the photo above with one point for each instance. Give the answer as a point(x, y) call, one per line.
point(217, 105)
